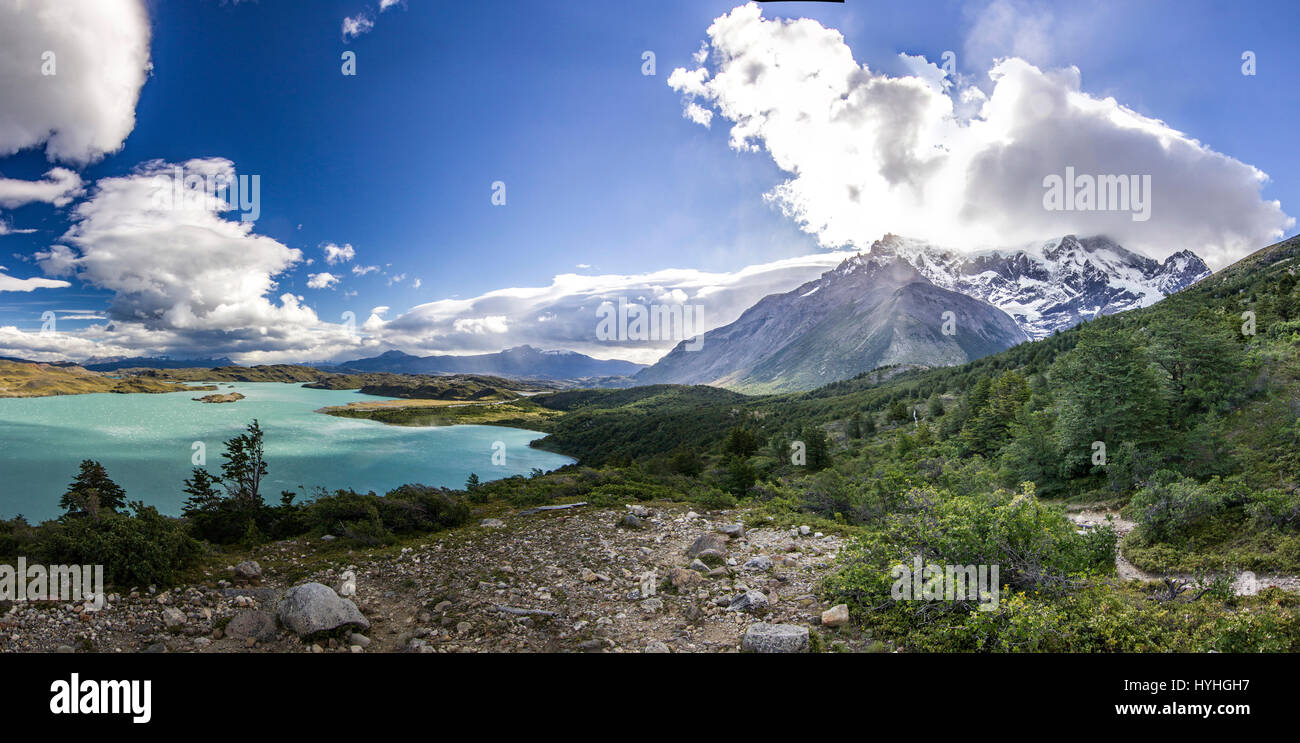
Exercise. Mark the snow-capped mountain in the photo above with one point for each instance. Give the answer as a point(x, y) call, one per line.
point(1052, 285)
point(870, 311)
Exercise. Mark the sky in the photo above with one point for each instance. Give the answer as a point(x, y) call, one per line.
point(494, 171)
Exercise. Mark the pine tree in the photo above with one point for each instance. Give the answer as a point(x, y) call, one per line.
point(91, 492)
point(201, 489)
point(245, 465)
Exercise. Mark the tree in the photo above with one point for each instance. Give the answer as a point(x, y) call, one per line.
point(741, 442)
point(472, 482)
point(935, 407)
point(817, 447)
point(740, 477)
point(92, 492)
point(1107, 391)
point(245, 465)
point(855, 426)
point(202, 491)
point(898, 412)
point(687, 462)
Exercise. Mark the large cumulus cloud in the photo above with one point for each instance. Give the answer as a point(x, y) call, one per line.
point(100, 52)
point(868, 153)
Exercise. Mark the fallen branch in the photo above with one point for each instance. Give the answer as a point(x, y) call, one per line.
point(525, 612)
point(539, 509)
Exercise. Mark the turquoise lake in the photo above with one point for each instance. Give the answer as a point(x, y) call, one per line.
point(145, 442)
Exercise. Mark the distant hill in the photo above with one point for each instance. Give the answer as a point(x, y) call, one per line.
point(520, 362)
point(150, 362)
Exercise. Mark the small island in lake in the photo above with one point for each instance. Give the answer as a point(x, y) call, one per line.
point(230, 397)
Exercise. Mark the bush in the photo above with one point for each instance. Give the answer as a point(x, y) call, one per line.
point(139, 549)
point(1275, 509)
point(1168, 509)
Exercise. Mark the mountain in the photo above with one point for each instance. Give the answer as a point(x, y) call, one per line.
point(1052, 285)
point(870, 311)
point(149, 362)
point(520, 362)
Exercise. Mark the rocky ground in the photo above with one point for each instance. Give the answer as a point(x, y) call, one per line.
point(656, 578)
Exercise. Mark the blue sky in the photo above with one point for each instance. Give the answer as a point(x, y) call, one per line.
point(603, 174)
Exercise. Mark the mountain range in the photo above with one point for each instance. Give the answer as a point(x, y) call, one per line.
point(888, 306)
point(520, 362)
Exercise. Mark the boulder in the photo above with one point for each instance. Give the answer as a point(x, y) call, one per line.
point(631, 521)
point(761, 637)
point(751, 601)
point(757, 564)
point(314, 607)
point(248, 571)
point(714, 558)
point(836, 616)
point(735, 531)
point(173, 618)
point(257, 625)
point(682, 579)
point(714, 541)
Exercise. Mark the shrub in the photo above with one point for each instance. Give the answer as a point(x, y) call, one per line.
point(138, 549)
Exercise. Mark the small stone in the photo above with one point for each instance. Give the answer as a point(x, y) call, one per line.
point(752, 601)
point(631, 521)
point(761, 637)
point(492, 523)
point(682, 579)
point(735, 531)
point(655, 646)
point(173, 618)
point(836, 615)
point(361, 640)
point(255, 625)
point(805, 530)
point(699, 566)
point(758, 564)
point(708, 542)
point(650, 606)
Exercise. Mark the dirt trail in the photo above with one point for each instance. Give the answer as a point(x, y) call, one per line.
point(1090, 519)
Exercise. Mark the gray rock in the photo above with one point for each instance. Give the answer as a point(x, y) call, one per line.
point(762, 637)
point(157, 647)
point(631, 521)
point(257, 625)
point(655, 646)
point(758, 564)
point(714, 542)
point(754, 602)
point(173, 618)
point(735, 531)
point(638, 511)
point(313, 607)
point(248, 570)
point(492, 523)
point(699, 566)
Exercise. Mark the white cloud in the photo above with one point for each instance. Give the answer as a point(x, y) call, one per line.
point(323, 280)
point(338, 253)
point(356, 26)
point(11, 284)
point(363, 270)
point(59, 186)
point(185, 280)
point(101, 60)
point(868, 154)
point(563, 314)
point(480, 325)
